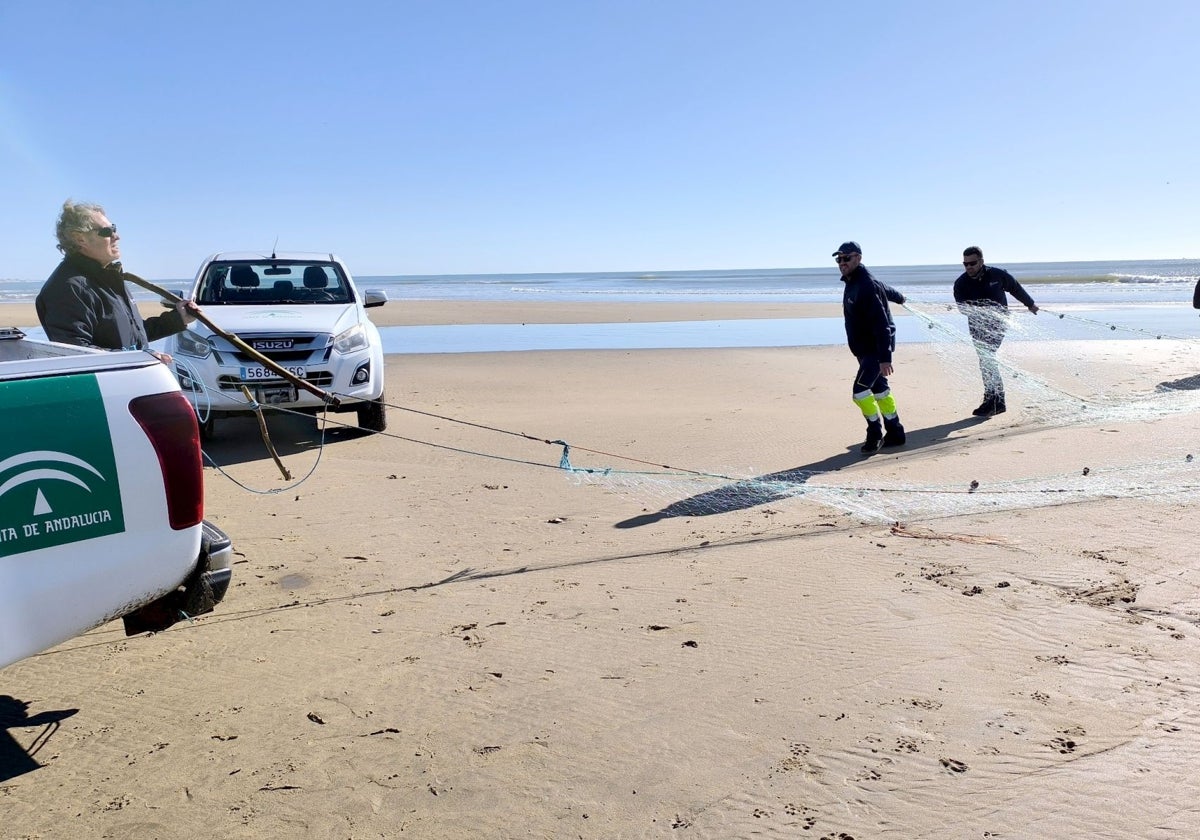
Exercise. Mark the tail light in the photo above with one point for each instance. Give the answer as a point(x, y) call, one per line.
point(170, 423)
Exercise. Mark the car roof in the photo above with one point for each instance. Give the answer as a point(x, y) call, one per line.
point(278, 255)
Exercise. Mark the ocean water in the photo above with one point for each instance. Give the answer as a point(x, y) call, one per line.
point(1152, 295)
point(1129, 281)
point(1145, 281)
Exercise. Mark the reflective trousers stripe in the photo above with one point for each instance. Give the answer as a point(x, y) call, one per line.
point(872, 405)
point(868, 405)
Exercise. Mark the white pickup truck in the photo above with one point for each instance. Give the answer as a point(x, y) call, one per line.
point(301, 311)
point(101, 497)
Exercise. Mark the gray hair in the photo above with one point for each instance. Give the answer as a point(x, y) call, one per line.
point(74, 219)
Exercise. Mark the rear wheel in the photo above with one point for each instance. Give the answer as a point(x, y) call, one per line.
point(372, 415)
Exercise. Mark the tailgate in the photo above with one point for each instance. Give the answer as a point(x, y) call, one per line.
point(84, 527)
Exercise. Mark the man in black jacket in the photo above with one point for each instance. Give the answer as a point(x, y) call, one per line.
point(980, 293)
point(85, 301)
point(871, 334)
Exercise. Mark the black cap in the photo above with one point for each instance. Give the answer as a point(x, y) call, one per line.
point(847, 248)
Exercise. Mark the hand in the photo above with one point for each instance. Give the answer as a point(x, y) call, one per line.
point(885, 368)
point(188, 310)
point(1033, 309)
point(165, 358)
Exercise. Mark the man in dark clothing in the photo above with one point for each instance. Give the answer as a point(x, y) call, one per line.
point(871, 334)
point(85, 302)
point(980, 293)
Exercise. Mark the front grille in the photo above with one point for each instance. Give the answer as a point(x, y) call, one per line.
point(284, 357)
point(307, 348)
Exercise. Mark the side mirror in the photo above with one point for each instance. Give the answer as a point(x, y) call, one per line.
point(374, 297)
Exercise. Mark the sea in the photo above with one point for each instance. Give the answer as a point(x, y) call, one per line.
point(1146, 295)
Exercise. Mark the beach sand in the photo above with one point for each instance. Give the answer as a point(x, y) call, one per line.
point(436, 633)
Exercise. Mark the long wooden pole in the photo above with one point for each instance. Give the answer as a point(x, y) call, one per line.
point(237, 342)
point(262, 428)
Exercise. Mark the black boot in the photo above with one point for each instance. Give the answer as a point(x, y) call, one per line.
point(986, 408)
point(894, 436)
point(874, 437)
point(999, 407)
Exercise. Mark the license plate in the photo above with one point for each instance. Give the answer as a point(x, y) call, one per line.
point(258, 374)
point(276, 394)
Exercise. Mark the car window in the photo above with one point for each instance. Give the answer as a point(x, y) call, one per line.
point(279, 282)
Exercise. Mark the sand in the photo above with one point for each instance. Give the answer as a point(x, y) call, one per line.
point(436, 633)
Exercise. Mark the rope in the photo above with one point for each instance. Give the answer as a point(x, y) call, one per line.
point(565, 460)
point(1113, 327)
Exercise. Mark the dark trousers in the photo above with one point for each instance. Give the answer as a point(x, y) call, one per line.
point(987, 331)
point(868, 377)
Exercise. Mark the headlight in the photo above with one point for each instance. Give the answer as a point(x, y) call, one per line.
point(352, 339)
point(187, 343)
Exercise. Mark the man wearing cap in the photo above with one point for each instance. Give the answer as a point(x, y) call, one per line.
point(980, 293)
point(871, 334)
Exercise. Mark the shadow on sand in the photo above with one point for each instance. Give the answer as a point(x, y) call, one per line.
point(16, 760)
point(238, 440)
point(1187, 383)
point(775, 486)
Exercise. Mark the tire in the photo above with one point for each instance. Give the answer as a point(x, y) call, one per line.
point(208, 429)
point(372, 415)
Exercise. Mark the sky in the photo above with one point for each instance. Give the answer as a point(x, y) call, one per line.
point(528, 136)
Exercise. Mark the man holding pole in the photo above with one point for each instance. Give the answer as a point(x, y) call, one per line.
point(85, 301)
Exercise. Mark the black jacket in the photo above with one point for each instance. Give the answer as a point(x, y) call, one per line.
point(988, 288)
point(870, 330)
point(86, 303)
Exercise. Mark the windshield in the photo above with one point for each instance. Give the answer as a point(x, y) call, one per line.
point(281, 281)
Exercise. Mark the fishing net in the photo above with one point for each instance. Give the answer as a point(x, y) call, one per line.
point(1095, 375)
point(1064, 369)
point(1057, 378)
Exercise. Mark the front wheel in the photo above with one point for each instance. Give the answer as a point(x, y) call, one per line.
point(372, 415)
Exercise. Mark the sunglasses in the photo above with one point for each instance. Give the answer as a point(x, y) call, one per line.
point(105, 232)
point(971, 264)
point(844, 258)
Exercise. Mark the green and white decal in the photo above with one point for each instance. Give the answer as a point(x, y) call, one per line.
point(58, 475)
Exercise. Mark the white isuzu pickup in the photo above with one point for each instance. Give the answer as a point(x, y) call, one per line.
point(301, 311)
point(101, 497)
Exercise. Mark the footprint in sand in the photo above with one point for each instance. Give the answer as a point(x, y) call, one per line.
point(1064, 745)
point(802, 811)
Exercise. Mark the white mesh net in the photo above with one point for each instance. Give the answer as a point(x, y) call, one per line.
point(1059, 380)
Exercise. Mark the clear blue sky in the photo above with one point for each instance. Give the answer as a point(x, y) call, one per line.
point(447, 136)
